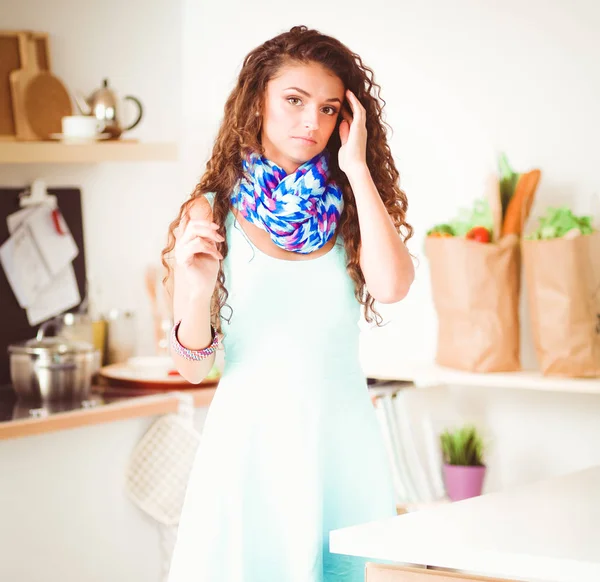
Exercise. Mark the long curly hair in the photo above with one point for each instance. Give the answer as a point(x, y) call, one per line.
point(239, 134)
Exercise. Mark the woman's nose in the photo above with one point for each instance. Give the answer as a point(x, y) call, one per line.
point(311, 119)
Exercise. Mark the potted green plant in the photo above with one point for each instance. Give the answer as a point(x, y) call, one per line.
point(463, 467)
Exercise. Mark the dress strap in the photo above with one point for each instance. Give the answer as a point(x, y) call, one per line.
point(210, 196)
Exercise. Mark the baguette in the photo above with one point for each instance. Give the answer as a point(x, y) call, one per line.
point(521, 202)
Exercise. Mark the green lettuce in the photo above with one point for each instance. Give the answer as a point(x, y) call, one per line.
point(559, 221)
point(479, 215)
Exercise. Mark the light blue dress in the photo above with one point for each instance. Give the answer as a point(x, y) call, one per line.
point(291, 448)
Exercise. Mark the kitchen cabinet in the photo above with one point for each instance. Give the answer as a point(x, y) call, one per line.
point(38, 152)
point(66, 514)
point(547, 530)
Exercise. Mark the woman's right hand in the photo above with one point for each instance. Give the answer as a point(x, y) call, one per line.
point(196, 254)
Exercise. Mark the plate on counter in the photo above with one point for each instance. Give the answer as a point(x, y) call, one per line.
point(157, 373)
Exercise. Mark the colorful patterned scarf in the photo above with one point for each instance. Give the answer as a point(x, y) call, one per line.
point(300, 211)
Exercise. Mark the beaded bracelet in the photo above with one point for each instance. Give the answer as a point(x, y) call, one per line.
point(193, 354)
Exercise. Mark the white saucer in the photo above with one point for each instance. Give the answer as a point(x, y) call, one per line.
point(73, 139)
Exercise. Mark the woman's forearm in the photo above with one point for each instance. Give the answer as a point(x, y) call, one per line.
point(384, 259)
point(194, 331)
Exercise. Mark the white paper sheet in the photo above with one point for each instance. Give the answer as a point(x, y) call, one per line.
point(14, 220)
point(24, 267)
point(58, 250)
point(60, 294)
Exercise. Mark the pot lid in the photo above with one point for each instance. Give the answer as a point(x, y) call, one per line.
point(51, 346)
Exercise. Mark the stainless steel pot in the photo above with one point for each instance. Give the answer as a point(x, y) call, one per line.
point(52, 368)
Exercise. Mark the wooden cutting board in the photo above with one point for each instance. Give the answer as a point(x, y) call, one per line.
point(13, 56)
point(40, 100)
point(13, 48)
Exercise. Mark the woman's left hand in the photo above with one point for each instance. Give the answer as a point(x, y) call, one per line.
point(353, 135)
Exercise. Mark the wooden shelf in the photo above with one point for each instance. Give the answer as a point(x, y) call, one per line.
point(44, 152)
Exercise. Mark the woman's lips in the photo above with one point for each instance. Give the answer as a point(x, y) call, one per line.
point(305, 140)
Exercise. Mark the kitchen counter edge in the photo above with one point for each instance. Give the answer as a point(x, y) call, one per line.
point(122, 409)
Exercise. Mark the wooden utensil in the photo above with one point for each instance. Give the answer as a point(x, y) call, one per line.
point(40, 100)
point(42, 50)
point(13, 56)
point(13, 48)
point(150, 281)
point(46, 103)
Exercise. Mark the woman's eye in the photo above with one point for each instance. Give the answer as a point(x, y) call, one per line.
point(297, 101)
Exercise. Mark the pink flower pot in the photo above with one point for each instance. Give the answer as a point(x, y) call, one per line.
point(462, 481)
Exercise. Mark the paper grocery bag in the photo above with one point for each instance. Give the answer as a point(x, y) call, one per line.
point(475, 288)
point(563, 288)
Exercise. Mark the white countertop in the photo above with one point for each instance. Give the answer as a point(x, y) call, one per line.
point(548, 531)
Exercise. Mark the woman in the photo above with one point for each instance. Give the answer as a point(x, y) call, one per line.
point(297, 221)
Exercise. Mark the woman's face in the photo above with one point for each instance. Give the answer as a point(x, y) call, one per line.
point(301, 107)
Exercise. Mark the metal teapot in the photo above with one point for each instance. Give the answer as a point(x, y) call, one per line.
point(104, 105)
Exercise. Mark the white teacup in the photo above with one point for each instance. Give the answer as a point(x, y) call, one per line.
point(81, 126)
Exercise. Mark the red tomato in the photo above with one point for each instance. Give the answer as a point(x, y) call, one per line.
point(479, 234)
